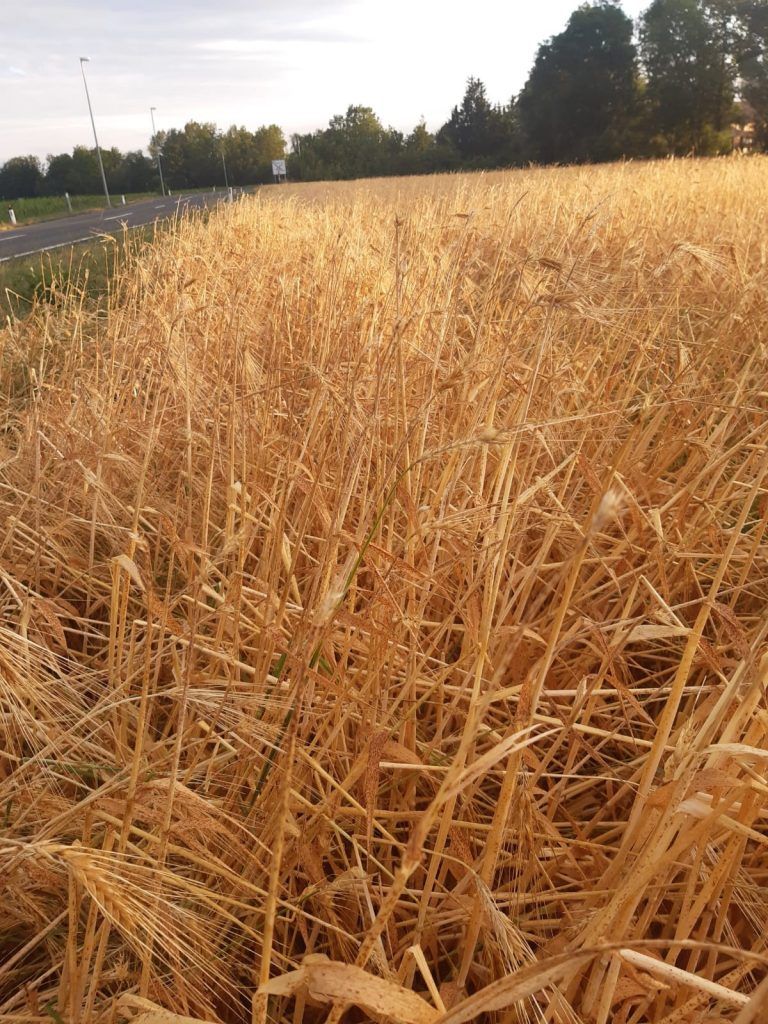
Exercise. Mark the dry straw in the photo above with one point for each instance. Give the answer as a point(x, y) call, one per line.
point(383, 587)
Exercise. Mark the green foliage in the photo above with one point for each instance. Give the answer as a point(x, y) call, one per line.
point(77, 173)
point(581, 96)
point(192, 156)
point(753, 63)
point(21, 176)
point(196, 156)
point(425, 153)
point(482, 134)
point(249, 155)
point(357, 145)
point(689, 75)
point(354, 145)
point(135, 174)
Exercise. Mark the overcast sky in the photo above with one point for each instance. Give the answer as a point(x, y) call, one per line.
point(253, 62)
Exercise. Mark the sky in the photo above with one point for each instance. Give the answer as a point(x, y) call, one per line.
point(295, 63)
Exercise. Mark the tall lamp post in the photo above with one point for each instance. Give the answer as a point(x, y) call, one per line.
point(224, 165)
point(83, 62)
point(159, 165)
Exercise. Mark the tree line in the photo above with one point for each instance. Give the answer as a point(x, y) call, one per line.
point(196, 156)
point(603, 88)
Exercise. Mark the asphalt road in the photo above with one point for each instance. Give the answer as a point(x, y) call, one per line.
point(26, 240)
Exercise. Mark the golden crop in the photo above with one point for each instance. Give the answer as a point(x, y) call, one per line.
point(383, 579)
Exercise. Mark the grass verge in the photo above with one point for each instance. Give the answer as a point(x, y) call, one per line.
point(52, 278)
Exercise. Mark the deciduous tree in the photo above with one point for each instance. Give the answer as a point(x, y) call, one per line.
point(689, 81)
point(581, 96)
point(21, 177)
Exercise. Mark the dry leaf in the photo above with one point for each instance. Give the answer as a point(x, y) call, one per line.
point(739, 750)
point(640, 634)
point(396, 751)
point(151, 1013)
point(331, 981)
point(131, 568)
point(344, 982)
point(484, 763)
point(514, 987)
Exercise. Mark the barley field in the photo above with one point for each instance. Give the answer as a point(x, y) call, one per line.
point(383, 589)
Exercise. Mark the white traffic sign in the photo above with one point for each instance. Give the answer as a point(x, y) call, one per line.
point(278, 168)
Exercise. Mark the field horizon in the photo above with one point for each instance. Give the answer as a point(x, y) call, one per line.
point(383, 586)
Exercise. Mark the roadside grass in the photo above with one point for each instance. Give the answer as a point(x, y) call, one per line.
point(84, 271)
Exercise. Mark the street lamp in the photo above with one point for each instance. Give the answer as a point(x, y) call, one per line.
point(159, 165)
point(83, 61)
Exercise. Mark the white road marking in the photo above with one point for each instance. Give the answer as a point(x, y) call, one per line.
point(161, 206)
point(7, 238)
point(117, 216)
point(46, 248)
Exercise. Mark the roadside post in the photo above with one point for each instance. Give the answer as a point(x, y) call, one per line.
point(122, 198)
point(69, 201)
point(11, 215)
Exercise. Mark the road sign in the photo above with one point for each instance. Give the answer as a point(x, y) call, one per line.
point(278, 168)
